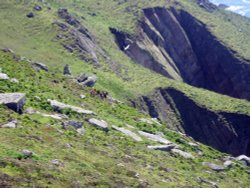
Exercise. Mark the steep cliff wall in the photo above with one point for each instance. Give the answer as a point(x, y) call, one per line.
point(178, 46)
point(226, 132)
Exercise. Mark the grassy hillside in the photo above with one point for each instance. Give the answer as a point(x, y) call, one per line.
point(100, 159)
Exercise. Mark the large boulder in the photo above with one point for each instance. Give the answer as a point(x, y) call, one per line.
point(184, 154)
point(11, 125)
point(4, 76)
point(72, 123)
point(154, 137)
point(66, 70)
point(243, 159)
point(87, 80)
point(41, 66)
point(14, 101)
point(58, 106)
point(167, 147)
point(215, 167)
point(101, 124)
point(128, 133)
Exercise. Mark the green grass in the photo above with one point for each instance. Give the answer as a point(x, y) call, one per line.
point(97, 159)
point(94, 159)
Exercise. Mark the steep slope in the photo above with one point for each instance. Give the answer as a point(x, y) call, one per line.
point(64, 155)
point(178, 46)
point(227, 132)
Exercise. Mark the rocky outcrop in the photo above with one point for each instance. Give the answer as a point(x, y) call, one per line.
point(41, 66)
point(207, 5)
point(14, 101)
point(227, 132)
point(100, 124)
point(66, 70)
point(128, 133)
point(154, 137)
point(58, 106)
point(178, 46)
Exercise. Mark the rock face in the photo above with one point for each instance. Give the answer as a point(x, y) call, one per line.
point(14, 101)
point(58, 106)
point(128, 133)
point(101, 124)
point(227, 132)
point(177, 45)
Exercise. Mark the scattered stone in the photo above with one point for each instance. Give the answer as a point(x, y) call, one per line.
point(14, 101)
point(8, 50)
point(4, 76)
point(215, 167)
point(87, 80)
point(72, 123)
point(11, 125)
point(14, 80)
point(54, 116)
point(58, 106)
point(202, 180)
point(30, 15)
point(81, 131)
point(27, 153)
point(68, 145)
point(228, 164)
point(154, 137)
point(130, 126)
point(184, 154)
point(41, 66)
point(66, 70)
point(82, 96)
point(37, 8)
point(101, 124)
point(146, 121)
point(128, 133)
point(155, 120)
point(113, 100)
point(243, 159)
point(168, 147)
point(193, 144)
point(56, 162)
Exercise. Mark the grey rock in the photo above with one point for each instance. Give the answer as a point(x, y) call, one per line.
point(184, 154)
point(128, 133)
point(68, 145)
point(72, 123)
point(30, 111)
point(66, 70)
point(202, 180)
point(214, 167)
point(193, 144)
point(27, 154)
point(168, 147)
point(30, 15)
point(58, 106)
point(54, 116)
point(38, 8)
point(56, 162)
point(4, 76)
point(41, 66)
point(80, 131)
point(11, 125)
point(87, 80)
point(8, 50)
point(14, 101)
point(154, 137)
point(14, 80)
point(228, 163)
point(101, 124)
point(82, 96)
point(243, 159)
